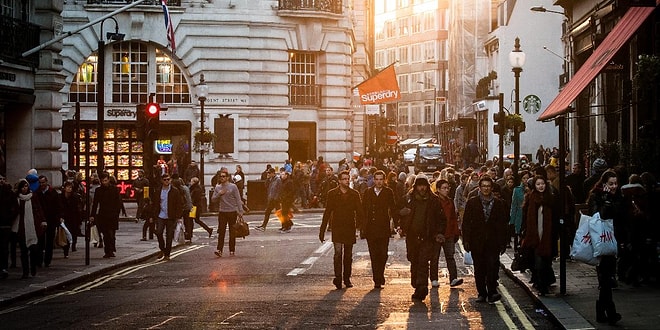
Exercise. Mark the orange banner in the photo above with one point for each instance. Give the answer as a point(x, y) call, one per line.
point(381, 88)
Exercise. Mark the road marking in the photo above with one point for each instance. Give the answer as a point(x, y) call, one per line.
point(159, 325)
point(224, 322)
point(311, 260)
point(102, 280)
point(505, 317)
point(516, 308)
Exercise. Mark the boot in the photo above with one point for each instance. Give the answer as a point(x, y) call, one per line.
point(612, 316)
point(600, 313)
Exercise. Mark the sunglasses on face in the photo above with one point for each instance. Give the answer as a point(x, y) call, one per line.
point(166, 179)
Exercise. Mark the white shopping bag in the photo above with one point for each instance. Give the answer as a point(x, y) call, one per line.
point(582, 250)
point(602, 236)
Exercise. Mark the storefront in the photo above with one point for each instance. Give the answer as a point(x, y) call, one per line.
point(123, 152)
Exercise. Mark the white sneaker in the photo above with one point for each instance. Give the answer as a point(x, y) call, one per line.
point(456, 282)
point(435, 284)
point(260, 228)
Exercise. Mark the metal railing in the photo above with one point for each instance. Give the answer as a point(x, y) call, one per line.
point(124, 2)
point(17, 36)
point(329, 6)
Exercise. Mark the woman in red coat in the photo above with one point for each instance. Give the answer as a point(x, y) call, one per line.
point(451, 236)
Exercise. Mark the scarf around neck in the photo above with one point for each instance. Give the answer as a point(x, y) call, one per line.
point(28, 221)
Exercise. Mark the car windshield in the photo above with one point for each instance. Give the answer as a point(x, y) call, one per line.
point(429, 152)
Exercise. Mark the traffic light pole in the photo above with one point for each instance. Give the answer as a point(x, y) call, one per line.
point(500, 163)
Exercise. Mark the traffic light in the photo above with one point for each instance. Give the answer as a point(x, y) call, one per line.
point(152, 115)
point(500, 124)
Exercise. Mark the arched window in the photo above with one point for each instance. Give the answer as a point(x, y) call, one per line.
point(132, 67)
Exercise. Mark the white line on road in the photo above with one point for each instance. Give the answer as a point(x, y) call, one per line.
point(311, 260)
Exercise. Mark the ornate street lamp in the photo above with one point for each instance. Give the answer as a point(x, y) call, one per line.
point(202, 93)
point(517, 60)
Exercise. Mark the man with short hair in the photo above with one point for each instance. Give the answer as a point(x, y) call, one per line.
point(273, 191)
point(170, 203)
point(485, 224)
point(139, 185)
point(50, 203)
point(105, 213)
point(379, 208)
point(342, 211)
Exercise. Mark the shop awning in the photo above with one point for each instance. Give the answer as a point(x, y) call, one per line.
point(408, 141)
point(423, 140)
point(619, 35)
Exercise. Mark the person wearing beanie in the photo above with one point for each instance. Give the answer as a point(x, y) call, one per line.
point(485, 226)
point(597, 168)
point(33, 181)
point(423, 223)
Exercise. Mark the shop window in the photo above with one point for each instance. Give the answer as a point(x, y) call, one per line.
point(83, 87)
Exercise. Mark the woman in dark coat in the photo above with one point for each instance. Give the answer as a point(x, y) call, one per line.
point(28, 226)
point(606, 198)
point(539, 210)
point(197, 195)
point(71, 203)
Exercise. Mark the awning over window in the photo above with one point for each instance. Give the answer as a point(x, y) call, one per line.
point(619, 35)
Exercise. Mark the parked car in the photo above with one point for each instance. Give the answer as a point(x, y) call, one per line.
point(409, 156)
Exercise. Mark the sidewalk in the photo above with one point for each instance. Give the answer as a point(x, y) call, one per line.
point(575, 310)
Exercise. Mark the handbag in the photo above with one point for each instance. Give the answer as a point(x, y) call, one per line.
point(602, 236)
point(193, 212)
point(94, 237)
point(60, 238)
point(523, 259)
point(179, 234)
point(467, 258)
point(582, 250)
point(240, 228)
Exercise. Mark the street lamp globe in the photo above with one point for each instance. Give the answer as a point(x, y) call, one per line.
point(517, 56)
point(202, 89)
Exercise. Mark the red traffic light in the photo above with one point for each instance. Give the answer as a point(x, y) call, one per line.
point(153, 109)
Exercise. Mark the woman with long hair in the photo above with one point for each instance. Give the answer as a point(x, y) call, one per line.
point(606, 199)
point(72, 210)
point(539, 209)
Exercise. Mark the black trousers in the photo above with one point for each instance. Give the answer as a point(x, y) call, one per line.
point(606, 271)
point(343, 261)
point(46, 244)
point(378, 254)
point(486, 271)
point(30, 257)
point(272, 205)
point(419, 253)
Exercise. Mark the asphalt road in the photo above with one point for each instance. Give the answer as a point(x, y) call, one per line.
point(275, 281)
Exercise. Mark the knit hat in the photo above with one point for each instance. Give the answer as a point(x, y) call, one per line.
point(402, 176)
point(33, 180)
point(599, 166)
point(421, 179)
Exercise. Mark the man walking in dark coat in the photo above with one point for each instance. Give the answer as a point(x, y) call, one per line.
point(379, 208)
point(423, 223)
point(50, 204)
point(8, 212)
point(485, 223)
point(342, 211)
point(105, 213)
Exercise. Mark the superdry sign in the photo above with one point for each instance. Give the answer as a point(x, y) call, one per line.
point(381, 88)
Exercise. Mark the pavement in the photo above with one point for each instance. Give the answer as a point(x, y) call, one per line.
point(573, 310)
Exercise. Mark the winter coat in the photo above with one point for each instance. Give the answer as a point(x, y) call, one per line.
point(482, 235)
point(378, 210)
point(343, 212)
point(106, 207)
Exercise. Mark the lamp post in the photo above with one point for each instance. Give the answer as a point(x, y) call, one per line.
point(517, 60)
point(100, 112)
point(202, 93)
point(435, 106)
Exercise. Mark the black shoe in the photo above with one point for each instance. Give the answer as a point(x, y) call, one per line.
point(143, 239)
point(494, 297)
point(420, 294)
point(210, 231)
point(337, 283)
point(348, 284)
